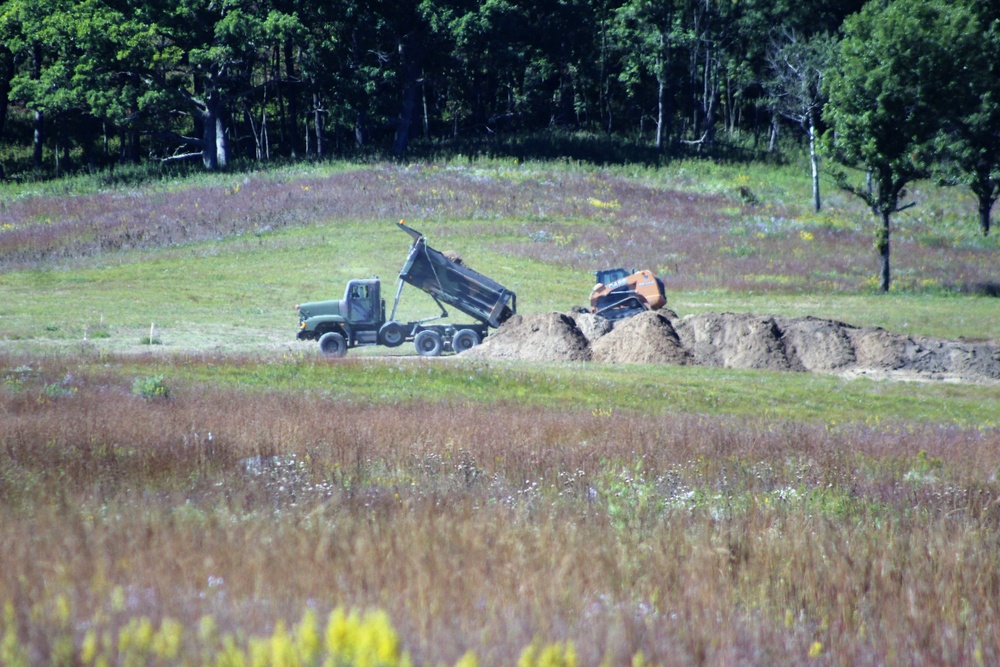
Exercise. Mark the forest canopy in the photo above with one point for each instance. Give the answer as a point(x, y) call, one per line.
point(90, 82)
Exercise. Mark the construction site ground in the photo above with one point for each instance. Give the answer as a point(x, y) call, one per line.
point(742, 340)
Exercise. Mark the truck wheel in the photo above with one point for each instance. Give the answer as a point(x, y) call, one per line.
point(333, 344)
point(465, 339)
point(428, 343)
point(391, 334)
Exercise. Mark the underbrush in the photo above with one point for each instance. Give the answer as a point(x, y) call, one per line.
point(227, 520)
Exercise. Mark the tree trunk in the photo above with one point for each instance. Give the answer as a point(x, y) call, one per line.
point(409, 63)
point(882, 245)
point(215, 149)
point(660, 104)
point(39, 133)
point(318, 124)
point(361, 129)
point(423, 102)
point(986, 191)
point(814, 160)
point(985, 206)
point(292, 91)
point(221, 141)
point(39, 139)
point(6, 74)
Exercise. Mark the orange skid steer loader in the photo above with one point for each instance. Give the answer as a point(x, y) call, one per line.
point(619, 294)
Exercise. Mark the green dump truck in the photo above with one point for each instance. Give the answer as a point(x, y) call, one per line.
point(359, 318)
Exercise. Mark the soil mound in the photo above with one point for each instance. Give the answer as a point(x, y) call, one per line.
point(820, 346)
point(877, 349)
point(592, 326)
point(536, 337)
point(741, 340)
point(734, 340)
point(647, 338)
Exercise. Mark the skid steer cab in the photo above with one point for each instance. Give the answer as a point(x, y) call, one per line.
point(359, 319)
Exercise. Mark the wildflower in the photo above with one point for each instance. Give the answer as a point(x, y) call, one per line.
point(816, 649)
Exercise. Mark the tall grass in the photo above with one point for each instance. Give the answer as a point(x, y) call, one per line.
point(689, 515)
point(689, 538)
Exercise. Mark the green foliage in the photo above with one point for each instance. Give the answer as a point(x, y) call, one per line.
point(54, 390)
point(895, 68)
point(150, 387)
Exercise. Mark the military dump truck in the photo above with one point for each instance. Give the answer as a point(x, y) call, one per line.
point(620, 293)
point(359, 318)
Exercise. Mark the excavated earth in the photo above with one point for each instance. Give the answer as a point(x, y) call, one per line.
point(741, 340)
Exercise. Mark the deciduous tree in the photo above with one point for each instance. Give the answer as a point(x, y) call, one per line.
point(796, 87)
point(893, 67)
point(969, 145)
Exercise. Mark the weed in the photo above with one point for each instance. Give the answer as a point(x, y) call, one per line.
point(150, 387)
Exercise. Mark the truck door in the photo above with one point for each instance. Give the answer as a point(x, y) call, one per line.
point(359, 303)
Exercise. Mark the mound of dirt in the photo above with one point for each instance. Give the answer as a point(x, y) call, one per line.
point(878, 349)
point(592, 326)
point(740, 340)
point(820, 346)
point(647, 338)
point(735, 340)
point(536, 337)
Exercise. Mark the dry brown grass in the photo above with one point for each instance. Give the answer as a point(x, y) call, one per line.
point(694, 539)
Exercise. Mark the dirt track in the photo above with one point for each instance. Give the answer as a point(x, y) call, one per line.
point(742, 340)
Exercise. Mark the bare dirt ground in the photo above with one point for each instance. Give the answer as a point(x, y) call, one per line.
point(742, 340)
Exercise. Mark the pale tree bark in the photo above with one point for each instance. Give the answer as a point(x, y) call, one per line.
point(814, 161)
point(660, 113)
point(318, 124)
point(38, 138)
point(293, 98)
point(215, 143)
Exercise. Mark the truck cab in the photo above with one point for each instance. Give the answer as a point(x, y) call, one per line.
point(357, 317)
point(362, 303)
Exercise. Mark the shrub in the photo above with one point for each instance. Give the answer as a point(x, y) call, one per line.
point(151, 386)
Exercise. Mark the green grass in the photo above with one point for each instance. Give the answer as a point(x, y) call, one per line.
point(583, 387)
point(240, 292)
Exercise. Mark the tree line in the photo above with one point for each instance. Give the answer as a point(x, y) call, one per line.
point(218, 79)
point(900, 88)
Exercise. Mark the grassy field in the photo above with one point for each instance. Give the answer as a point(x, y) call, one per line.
point(227, 496)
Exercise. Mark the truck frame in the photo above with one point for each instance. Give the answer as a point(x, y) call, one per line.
point(359, 318)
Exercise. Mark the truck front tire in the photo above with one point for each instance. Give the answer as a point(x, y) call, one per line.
point(428, 343)
point(333, 344)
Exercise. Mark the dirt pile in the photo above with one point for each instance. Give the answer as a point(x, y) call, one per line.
point(537, 337)
point(735, 341)
point(648, 338)
point(740, 340)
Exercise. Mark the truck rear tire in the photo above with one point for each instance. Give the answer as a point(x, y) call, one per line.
point(333, 344)
point(391, 334)
point(428, 343)
point(465, 339)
